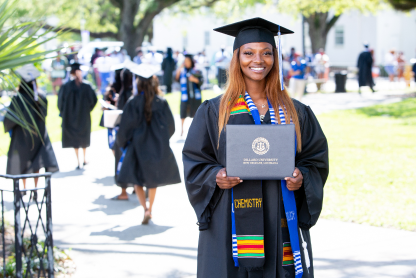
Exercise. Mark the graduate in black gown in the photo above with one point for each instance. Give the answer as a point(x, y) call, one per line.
point(365, 65)
point(191, 81)
point(76, 100)
point(168, 66)
point(32, 150)
point(123, 96)
point(145, 129)
point(254, 76)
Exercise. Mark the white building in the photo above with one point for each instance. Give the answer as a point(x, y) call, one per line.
point(384, 30)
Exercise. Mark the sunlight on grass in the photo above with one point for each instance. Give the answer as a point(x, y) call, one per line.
point(372, 161)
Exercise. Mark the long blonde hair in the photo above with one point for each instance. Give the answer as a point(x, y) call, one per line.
point(236, 87)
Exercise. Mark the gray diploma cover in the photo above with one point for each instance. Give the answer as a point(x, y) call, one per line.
point(260, 152)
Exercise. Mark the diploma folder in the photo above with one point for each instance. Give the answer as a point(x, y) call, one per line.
point(260, 152)
point(112, 118)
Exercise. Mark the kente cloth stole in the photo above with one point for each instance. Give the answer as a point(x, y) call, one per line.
point(247, 214)
point(184, 87)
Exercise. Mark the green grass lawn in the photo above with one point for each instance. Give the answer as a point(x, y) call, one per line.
point(372, 165)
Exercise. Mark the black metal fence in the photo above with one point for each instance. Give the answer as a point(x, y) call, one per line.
point(33, 241)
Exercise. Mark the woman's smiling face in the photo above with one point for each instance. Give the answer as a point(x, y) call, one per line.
point(256, 60)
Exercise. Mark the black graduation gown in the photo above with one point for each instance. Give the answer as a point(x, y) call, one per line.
point(149, 160)
point(365, 64)
point(27, 154)
point(202, 161)
point(75, 104)
point(168, 66)
point(122, 100)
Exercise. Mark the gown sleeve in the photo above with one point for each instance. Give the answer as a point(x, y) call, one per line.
point(312, 161)
point(129, 121)
point(170, 121)
point(201, 165)
point(8, 123)
point(93, 97)
point(61, 100)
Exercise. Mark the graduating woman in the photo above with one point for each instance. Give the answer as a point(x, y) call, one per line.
point(76, 100)
point(191, 81)
point(29, 151)
point(275, 241)
point(145, 129)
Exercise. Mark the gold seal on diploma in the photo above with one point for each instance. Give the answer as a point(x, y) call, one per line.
point(260, 145)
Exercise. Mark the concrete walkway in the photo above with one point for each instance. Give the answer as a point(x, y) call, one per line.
point(107, 240)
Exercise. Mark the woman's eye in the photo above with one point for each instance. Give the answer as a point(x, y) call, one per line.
point(248, 53)
point(268, 53)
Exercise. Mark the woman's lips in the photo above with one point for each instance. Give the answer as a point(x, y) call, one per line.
point(257, 69)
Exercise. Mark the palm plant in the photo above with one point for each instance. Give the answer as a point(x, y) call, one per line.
point(17, 48)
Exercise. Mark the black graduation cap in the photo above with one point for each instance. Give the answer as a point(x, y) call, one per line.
point(75, 66)
point(28, 72)
point(253, 30)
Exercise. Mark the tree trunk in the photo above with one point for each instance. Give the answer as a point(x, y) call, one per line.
point(128, 12)
point(319, 27)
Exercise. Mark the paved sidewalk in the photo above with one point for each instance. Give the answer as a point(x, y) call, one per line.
point(107, 240)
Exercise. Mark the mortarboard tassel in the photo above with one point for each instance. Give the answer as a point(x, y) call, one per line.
point(279, 45)
point(134, 85)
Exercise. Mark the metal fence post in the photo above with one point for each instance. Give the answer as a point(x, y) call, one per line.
point(3, 231)
point(49, 240)
point(18, 239)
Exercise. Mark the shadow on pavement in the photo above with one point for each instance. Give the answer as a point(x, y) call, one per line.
point(107, 181)
point(133, 232)
point(63, 243)
point(73, 173)
point(85, 250)
point(345, 263)
point(114, 207)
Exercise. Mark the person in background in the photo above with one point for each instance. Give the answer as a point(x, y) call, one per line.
point(292, 55)
point(76, 100)
point(190, 80)
point(58, 72)
point(321, 67)
point(146, 126)
point(390, 64)
point(168, 66)
point(123, 96)
point(401, 62)
point(28, 153)
point(96, 76)
point(103, 65)
point(286, 69)
point(297, 73)
point(222, 61)
point(138, 58)
point(414, 68)
point(365, 65)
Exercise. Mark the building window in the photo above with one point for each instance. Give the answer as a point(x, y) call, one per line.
point(339, 35)
point(207, 37)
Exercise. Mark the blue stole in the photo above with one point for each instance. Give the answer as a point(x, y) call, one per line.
point(184, 89)
point(112, 134)
point(288, 197)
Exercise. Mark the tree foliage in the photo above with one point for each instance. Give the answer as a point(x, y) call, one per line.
point(403, 5)
point(17, 48)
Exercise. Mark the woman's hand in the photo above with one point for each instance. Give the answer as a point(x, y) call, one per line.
point(193, 79)
point(295, 183)
point(225, 182)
